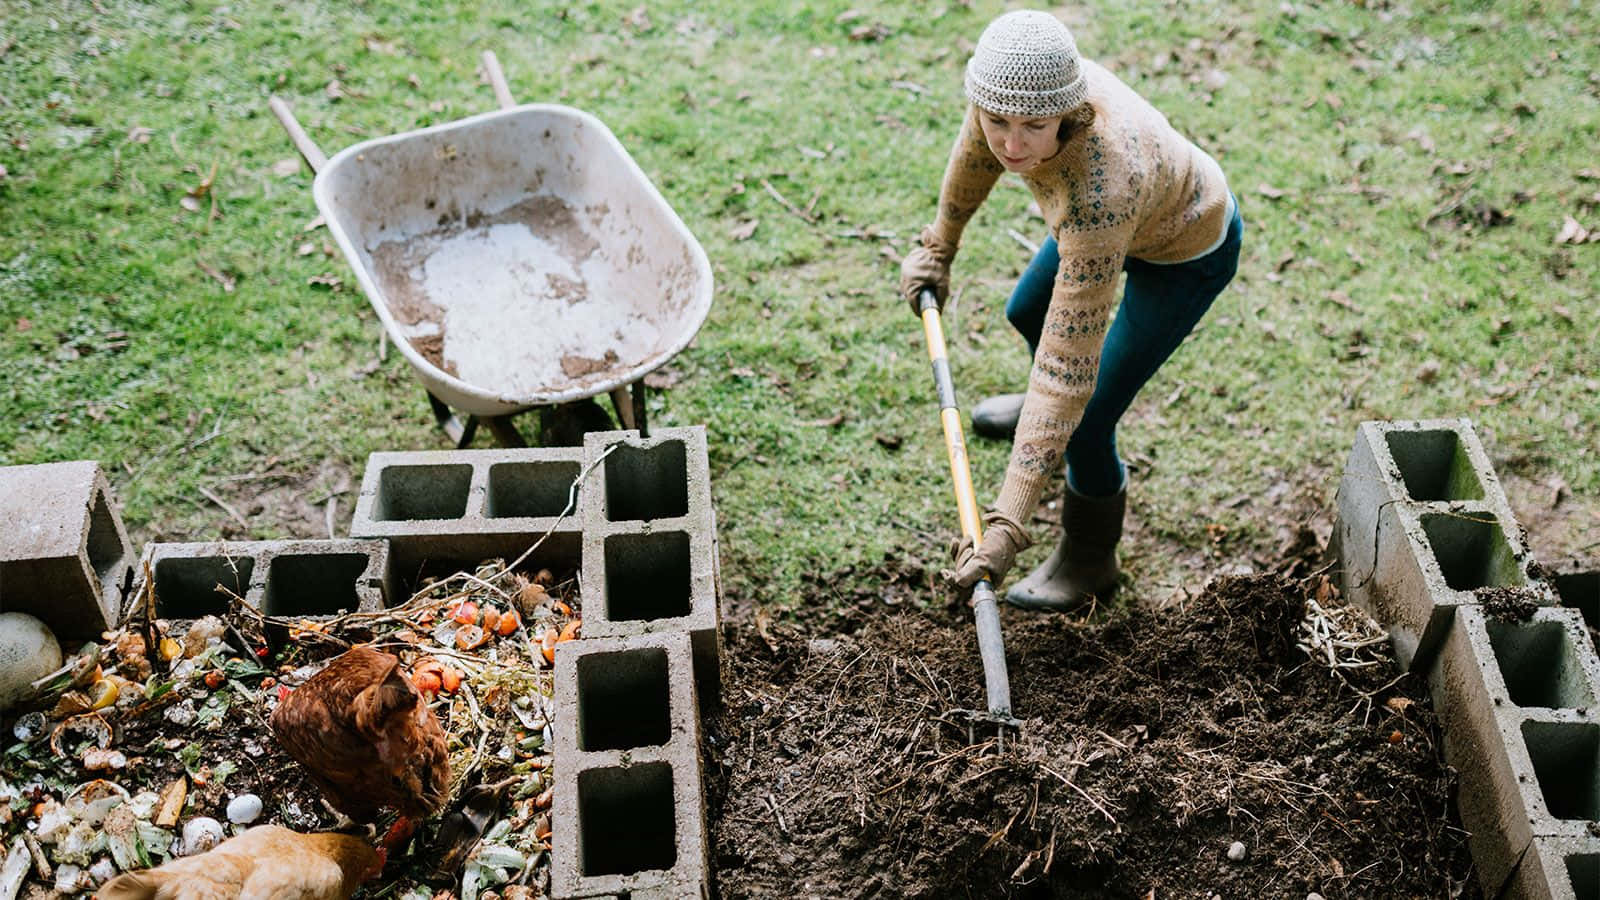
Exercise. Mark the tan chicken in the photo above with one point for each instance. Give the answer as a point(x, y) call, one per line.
point(265, 863)
point(368, 739)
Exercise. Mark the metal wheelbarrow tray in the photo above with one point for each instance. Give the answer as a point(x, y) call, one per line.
point(517, 258)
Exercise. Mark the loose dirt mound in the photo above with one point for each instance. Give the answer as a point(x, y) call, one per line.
point(1154, 742)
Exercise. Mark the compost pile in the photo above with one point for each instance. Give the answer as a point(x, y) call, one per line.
point(1188, 752)
point(156, 742)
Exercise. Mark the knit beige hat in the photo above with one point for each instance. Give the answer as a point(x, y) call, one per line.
point(1026, 64)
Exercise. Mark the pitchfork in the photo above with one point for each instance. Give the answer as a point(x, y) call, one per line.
point(991, 645)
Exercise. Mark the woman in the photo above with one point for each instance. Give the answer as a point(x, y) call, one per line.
point(1121, 191)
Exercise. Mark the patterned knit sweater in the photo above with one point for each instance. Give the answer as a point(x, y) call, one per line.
point(1128, 185)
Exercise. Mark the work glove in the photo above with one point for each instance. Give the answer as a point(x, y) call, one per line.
point(1003, 539)
point(927, 266)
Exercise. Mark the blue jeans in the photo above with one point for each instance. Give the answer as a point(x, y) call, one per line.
point(1161, 304)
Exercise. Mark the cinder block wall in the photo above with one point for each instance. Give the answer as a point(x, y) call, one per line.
point(444, 510)
point(279, 578)
point(650, 542)
point(64, 554)
point(629, 808)
point(1424, 525)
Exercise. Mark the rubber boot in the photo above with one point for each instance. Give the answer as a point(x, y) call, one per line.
point(996, 417)
point(1083, 566)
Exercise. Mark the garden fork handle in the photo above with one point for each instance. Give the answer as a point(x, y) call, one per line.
point(985, 611)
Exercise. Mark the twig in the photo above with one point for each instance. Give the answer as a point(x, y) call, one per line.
point(1082, 793)
point(786, 204)
point(1019, 238)
point(232, 513)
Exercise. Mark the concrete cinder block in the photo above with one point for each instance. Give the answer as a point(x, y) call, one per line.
point(650, 552)
point(629, 807)
point(1579, 588)
point(1558, 869)
point(279, 578)
point(442, 511)
point(64, 554)
point(1423, 524)
point(1517, 702)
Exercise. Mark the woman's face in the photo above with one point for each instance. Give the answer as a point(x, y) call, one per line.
point(1020, 142)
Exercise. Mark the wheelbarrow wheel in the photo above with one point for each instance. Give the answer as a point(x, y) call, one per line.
point(565, 425)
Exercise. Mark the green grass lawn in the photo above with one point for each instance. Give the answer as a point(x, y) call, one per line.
point(1404, 171)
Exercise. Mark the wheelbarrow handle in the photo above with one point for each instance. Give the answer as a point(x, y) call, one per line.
point(497, 80)
point(985, 610)
point(302, 141)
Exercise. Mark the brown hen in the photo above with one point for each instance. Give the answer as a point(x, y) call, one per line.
point(367, 738)
point(265, 863)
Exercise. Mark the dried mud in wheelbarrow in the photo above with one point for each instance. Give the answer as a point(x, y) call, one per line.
point(1153, 742)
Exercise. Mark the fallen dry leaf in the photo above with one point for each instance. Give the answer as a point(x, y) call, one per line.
point(663, 379)
point(139, 134)
point(331, 282)
point(414, 81)
point(283, 168)
point(387, 48)
point(1270, 192)
point(334, 90)
point(314, 224)
point(305, 249)
point(744, 230)
point(1573, 233)
point(638, 19)
point(870, 33)
point(889, 441)
point(832, 421)
point(24, 325)
point(1428, 371)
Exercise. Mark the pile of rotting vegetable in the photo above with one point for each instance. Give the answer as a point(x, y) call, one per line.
point(156, 742)
point(1254, 743)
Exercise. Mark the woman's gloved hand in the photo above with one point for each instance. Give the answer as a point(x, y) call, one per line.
point(1003, 539)
point(927, 266)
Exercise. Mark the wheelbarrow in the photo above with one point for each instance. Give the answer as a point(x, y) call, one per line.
point(517, 259)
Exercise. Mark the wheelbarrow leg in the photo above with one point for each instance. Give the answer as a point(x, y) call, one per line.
point(505, 432)
point(638, 408)
point(460, 433)
point(623, 404)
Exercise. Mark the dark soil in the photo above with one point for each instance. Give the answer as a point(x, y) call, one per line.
point(1152, 742)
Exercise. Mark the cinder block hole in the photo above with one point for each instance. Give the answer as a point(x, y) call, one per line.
point(1471, 550)
point(647, 482)
point(622, 700)
point(313, 584)
point(647, 576)
point(422, 492)
point(1581, 591)
point(105, 549)
point(532, 490)
point(625, 820)
point(1583, 869)
point(1434, 465)
point(186, 587)
point(1566, 760)
point(1539, 664)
